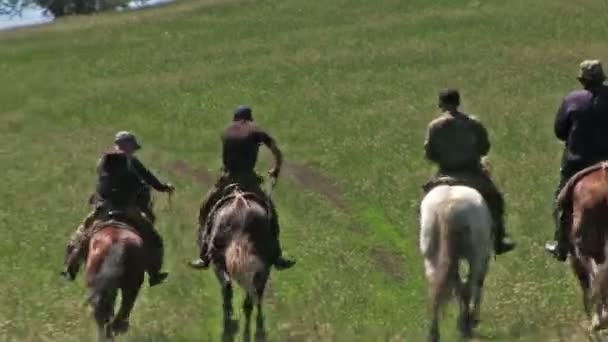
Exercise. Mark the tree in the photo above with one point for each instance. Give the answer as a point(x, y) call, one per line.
point(60, 7)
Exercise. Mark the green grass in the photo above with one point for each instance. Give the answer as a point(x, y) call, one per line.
point(347, 88)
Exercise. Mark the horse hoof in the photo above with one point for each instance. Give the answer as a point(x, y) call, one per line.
point(476, 322)
point(120, 327)
point(466, 328)
point(108, 332)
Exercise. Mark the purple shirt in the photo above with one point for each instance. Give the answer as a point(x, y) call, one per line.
point(582, 123)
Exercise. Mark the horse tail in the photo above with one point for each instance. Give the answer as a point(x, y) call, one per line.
point(105, 283)
point(447, 260)
point(244, 265)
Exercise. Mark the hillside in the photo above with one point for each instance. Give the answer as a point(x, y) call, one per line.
point(347, 87)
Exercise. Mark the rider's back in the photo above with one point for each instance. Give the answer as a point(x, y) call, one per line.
point(456, 141)
point(241, 141)
point(117, 183)
point(583, 123)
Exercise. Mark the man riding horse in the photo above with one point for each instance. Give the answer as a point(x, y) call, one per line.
point(240, 145)
point(457, 142)
point(122, 193)
point(581, 123)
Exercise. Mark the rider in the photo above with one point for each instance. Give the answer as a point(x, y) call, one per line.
point(581, 123)
point(240, 146)
point(457, 142)
point(121, 180)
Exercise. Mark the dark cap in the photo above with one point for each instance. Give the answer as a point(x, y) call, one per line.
point(450, 96)
point(126, 137)
point(243, 112)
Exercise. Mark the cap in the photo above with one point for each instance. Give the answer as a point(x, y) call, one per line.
point(591, 70)
point(126, 136)
point(243, 112)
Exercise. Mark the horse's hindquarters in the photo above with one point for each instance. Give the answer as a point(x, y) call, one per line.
point(455, 224)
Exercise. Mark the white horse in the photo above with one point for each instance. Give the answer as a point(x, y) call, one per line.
point(455, 224)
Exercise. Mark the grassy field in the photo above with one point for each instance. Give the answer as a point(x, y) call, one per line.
point(347, 87)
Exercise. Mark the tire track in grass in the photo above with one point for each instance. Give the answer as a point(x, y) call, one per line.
point(388, 261)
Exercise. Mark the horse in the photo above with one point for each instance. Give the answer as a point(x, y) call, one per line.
point(455, 224)
point(588, 239)
point(115, 261)
point(242, 229)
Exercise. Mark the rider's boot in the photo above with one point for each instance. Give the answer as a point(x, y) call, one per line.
point(203, 261)
point(559, 247)
point(72, 263)
point(280, 262)
point(204, 232)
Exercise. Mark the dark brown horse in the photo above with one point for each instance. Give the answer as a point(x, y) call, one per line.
point(589, 240)
point(241, 227)
point(115, 262)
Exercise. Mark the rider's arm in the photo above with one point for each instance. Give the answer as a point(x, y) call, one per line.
point(148, 176)
point(278, 156)
point(430, 151)
point(267, 140)
point(483, 140)
point(563, 122)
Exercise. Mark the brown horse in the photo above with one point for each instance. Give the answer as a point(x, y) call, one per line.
point(241, 227)
point(589, 240)
point(115, 262)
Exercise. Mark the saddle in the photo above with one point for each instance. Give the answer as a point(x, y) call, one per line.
point(566, 194)
point(98, 225)
point(115, 218)
point(451, 180)
point(232, 191)
point(217, 239)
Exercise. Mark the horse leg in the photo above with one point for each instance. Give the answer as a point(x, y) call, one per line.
point(434, 331)
point(120, 325)
point(584, 278)
point(476, 288)
point(595, 299)
point(227, 294)
point(103, 311)
point(101, 331)
point(247, 308)
point(463, 293)
point(227, 306)
point(260, 281)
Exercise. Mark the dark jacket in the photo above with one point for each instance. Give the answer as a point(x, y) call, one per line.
point(241, 142)
point(122, 179)
point(582, 123)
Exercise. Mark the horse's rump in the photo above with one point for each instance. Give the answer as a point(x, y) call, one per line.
point(100, 245)
point(461, 210)
point(242, 238)
point(565, 195)
point(240, 213)
point(589, 197)
point(455, 224)
point(116, 263)
point(232, 192)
